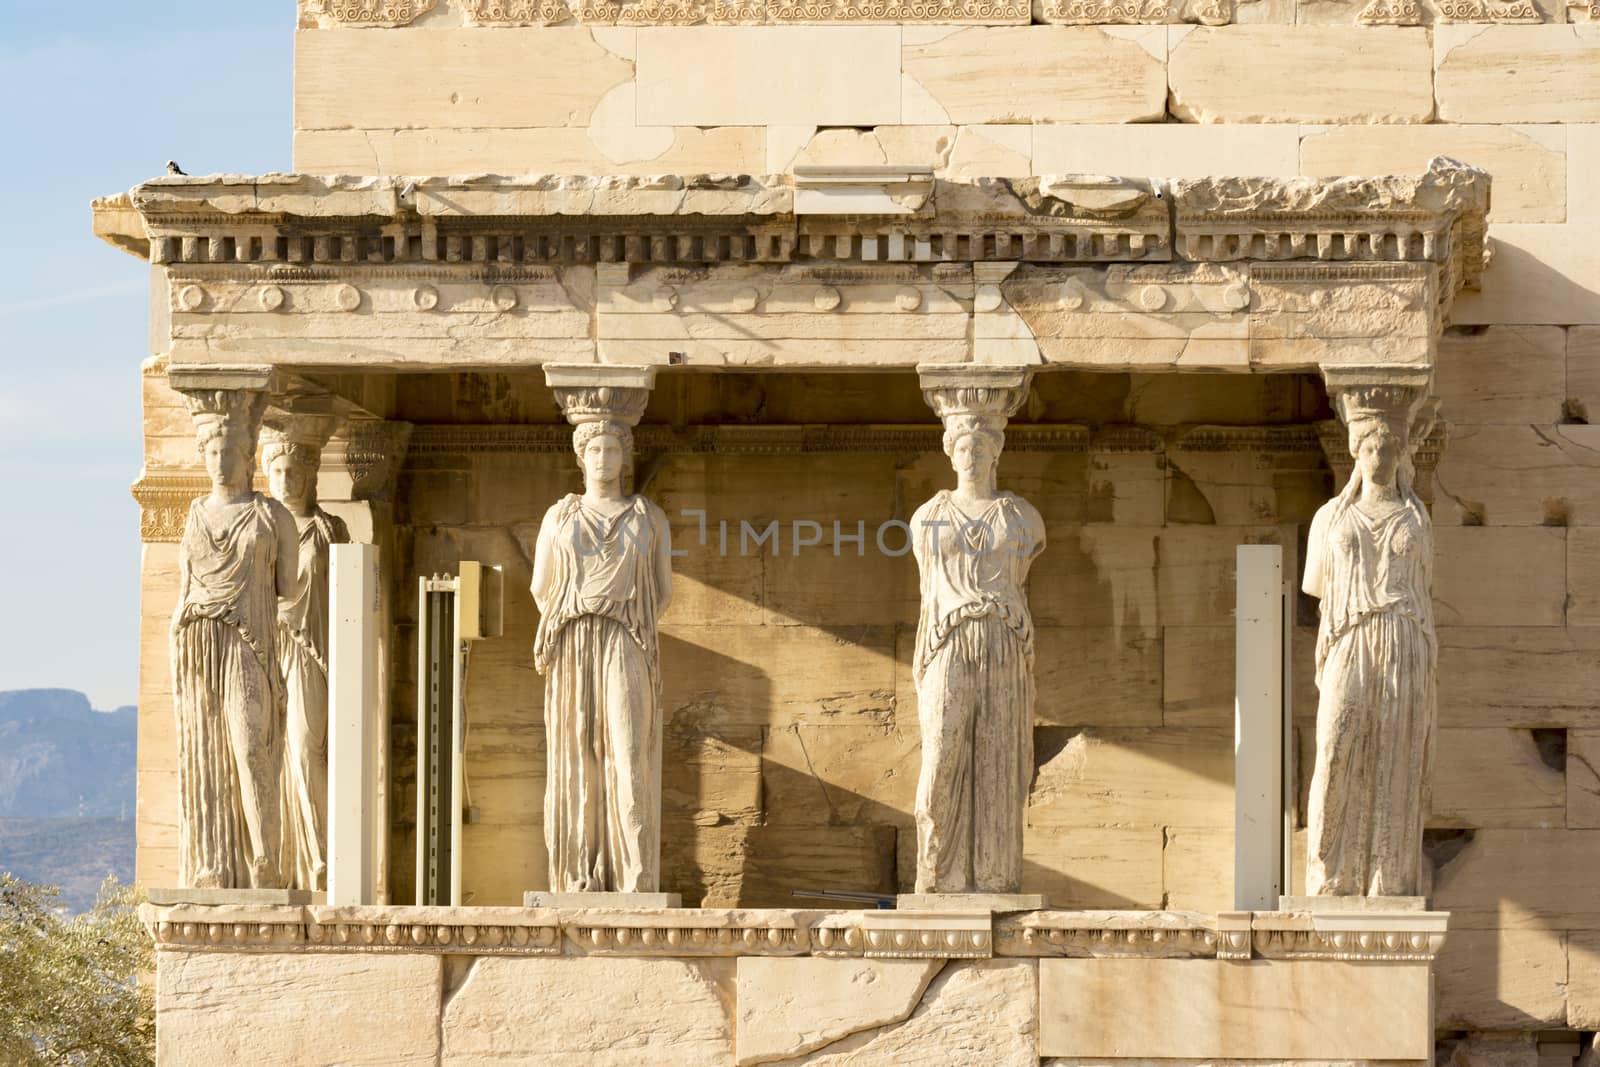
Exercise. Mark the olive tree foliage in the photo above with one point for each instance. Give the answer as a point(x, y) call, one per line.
point(69, 988)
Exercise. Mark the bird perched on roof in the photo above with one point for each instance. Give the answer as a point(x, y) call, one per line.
point(173, 168)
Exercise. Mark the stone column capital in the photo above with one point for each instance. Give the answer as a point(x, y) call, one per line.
point(988, 394)
point(1378, 390)
point(370, 452)
point(600, 392)
point(188, 378)
point(302, 429)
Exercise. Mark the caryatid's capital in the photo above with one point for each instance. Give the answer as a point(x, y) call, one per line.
point(1399, 397)
point(302, 434)
point(1378, 391)
point(227, 399)
point(599, 392)
point(984, 395)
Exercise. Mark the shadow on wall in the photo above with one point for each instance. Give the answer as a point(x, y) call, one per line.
point(791, 744)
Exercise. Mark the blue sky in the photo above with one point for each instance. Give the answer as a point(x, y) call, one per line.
point(94, 98)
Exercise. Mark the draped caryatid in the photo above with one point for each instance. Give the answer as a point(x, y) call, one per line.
point(238, 555)
point(602, 576)
point(973, 663)
point(1370, 560)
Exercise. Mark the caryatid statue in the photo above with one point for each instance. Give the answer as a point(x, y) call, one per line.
point(291, 456)
point(973, 658)
point(1369, 559)
point(602, 576)
point(239, 555)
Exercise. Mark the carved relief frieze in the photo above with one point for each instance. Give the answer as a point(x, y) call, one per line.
point(332, 14)
point(642, 12)
point(1157, 289)
point(164, 497)
point(1136, 12)
point(1421, 12)
point(1153, 935)
point(1365, 936)
point(1347, 945)
point(1390, 13)
point(1488, 11)
point(905, 935)
point(517, 12)
point(1381, 936)
point(482, 931)
point(747, 12)
point(664, 936)
point(362, 13)
point(984, 12)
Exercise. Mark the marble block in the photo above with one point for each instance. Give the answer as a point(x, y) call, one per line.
point(297, 1007)
point(970, 902)
point(1149, 1009)
point(1337, 903)
point(538, 898)
point(790, 1007)
point(225, 897)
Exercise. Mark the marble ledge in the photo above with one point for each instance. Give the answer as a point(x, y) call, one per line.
point(1398, 936)
point(1434, 216)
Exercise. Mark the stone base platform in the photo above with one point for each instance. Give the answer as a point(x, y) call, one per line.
point(540, 898)
point(703, 986)
point(230, 897)
point(969, 902)
point(1348, 904)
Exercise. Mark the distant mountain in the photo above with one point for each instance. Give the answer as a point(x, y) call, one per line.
point(61, 758)
point(66, 791)
point(75, 855)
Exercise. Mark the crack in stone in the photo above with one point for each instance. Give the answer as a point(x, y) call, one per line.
point(865, 1033)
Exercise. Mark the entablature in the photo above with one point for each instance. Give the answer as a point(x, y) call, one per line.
point(841, 268)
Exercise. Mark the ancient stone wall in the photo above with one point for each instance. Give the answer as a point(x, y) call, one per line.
point(704, 987)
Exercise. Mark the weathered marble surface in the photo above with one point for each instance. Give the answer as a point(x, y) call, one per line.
point(791, 1007)
point(1191, 273)
point(291, 456)
point(1117, 1009)
point(975, 1011)
point(602, 576)
point(275, 1007)
point(238, 556)
point(605, 1012)
point(1369, 559)
point(720, 986)
point(973, 658)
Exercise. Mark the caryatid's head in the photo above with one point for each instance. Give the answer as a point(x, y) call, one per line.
point(291, 467)
point(604, 450)
point(973, 443)
point(226, 424)
point(1378, 422)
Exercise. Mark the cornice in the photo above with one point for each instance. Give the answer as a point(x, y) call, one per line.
point(332, 224)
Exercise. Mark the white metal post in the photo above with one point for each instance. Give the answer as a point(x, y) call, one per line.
point(1258, 729)
point(354, 610)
